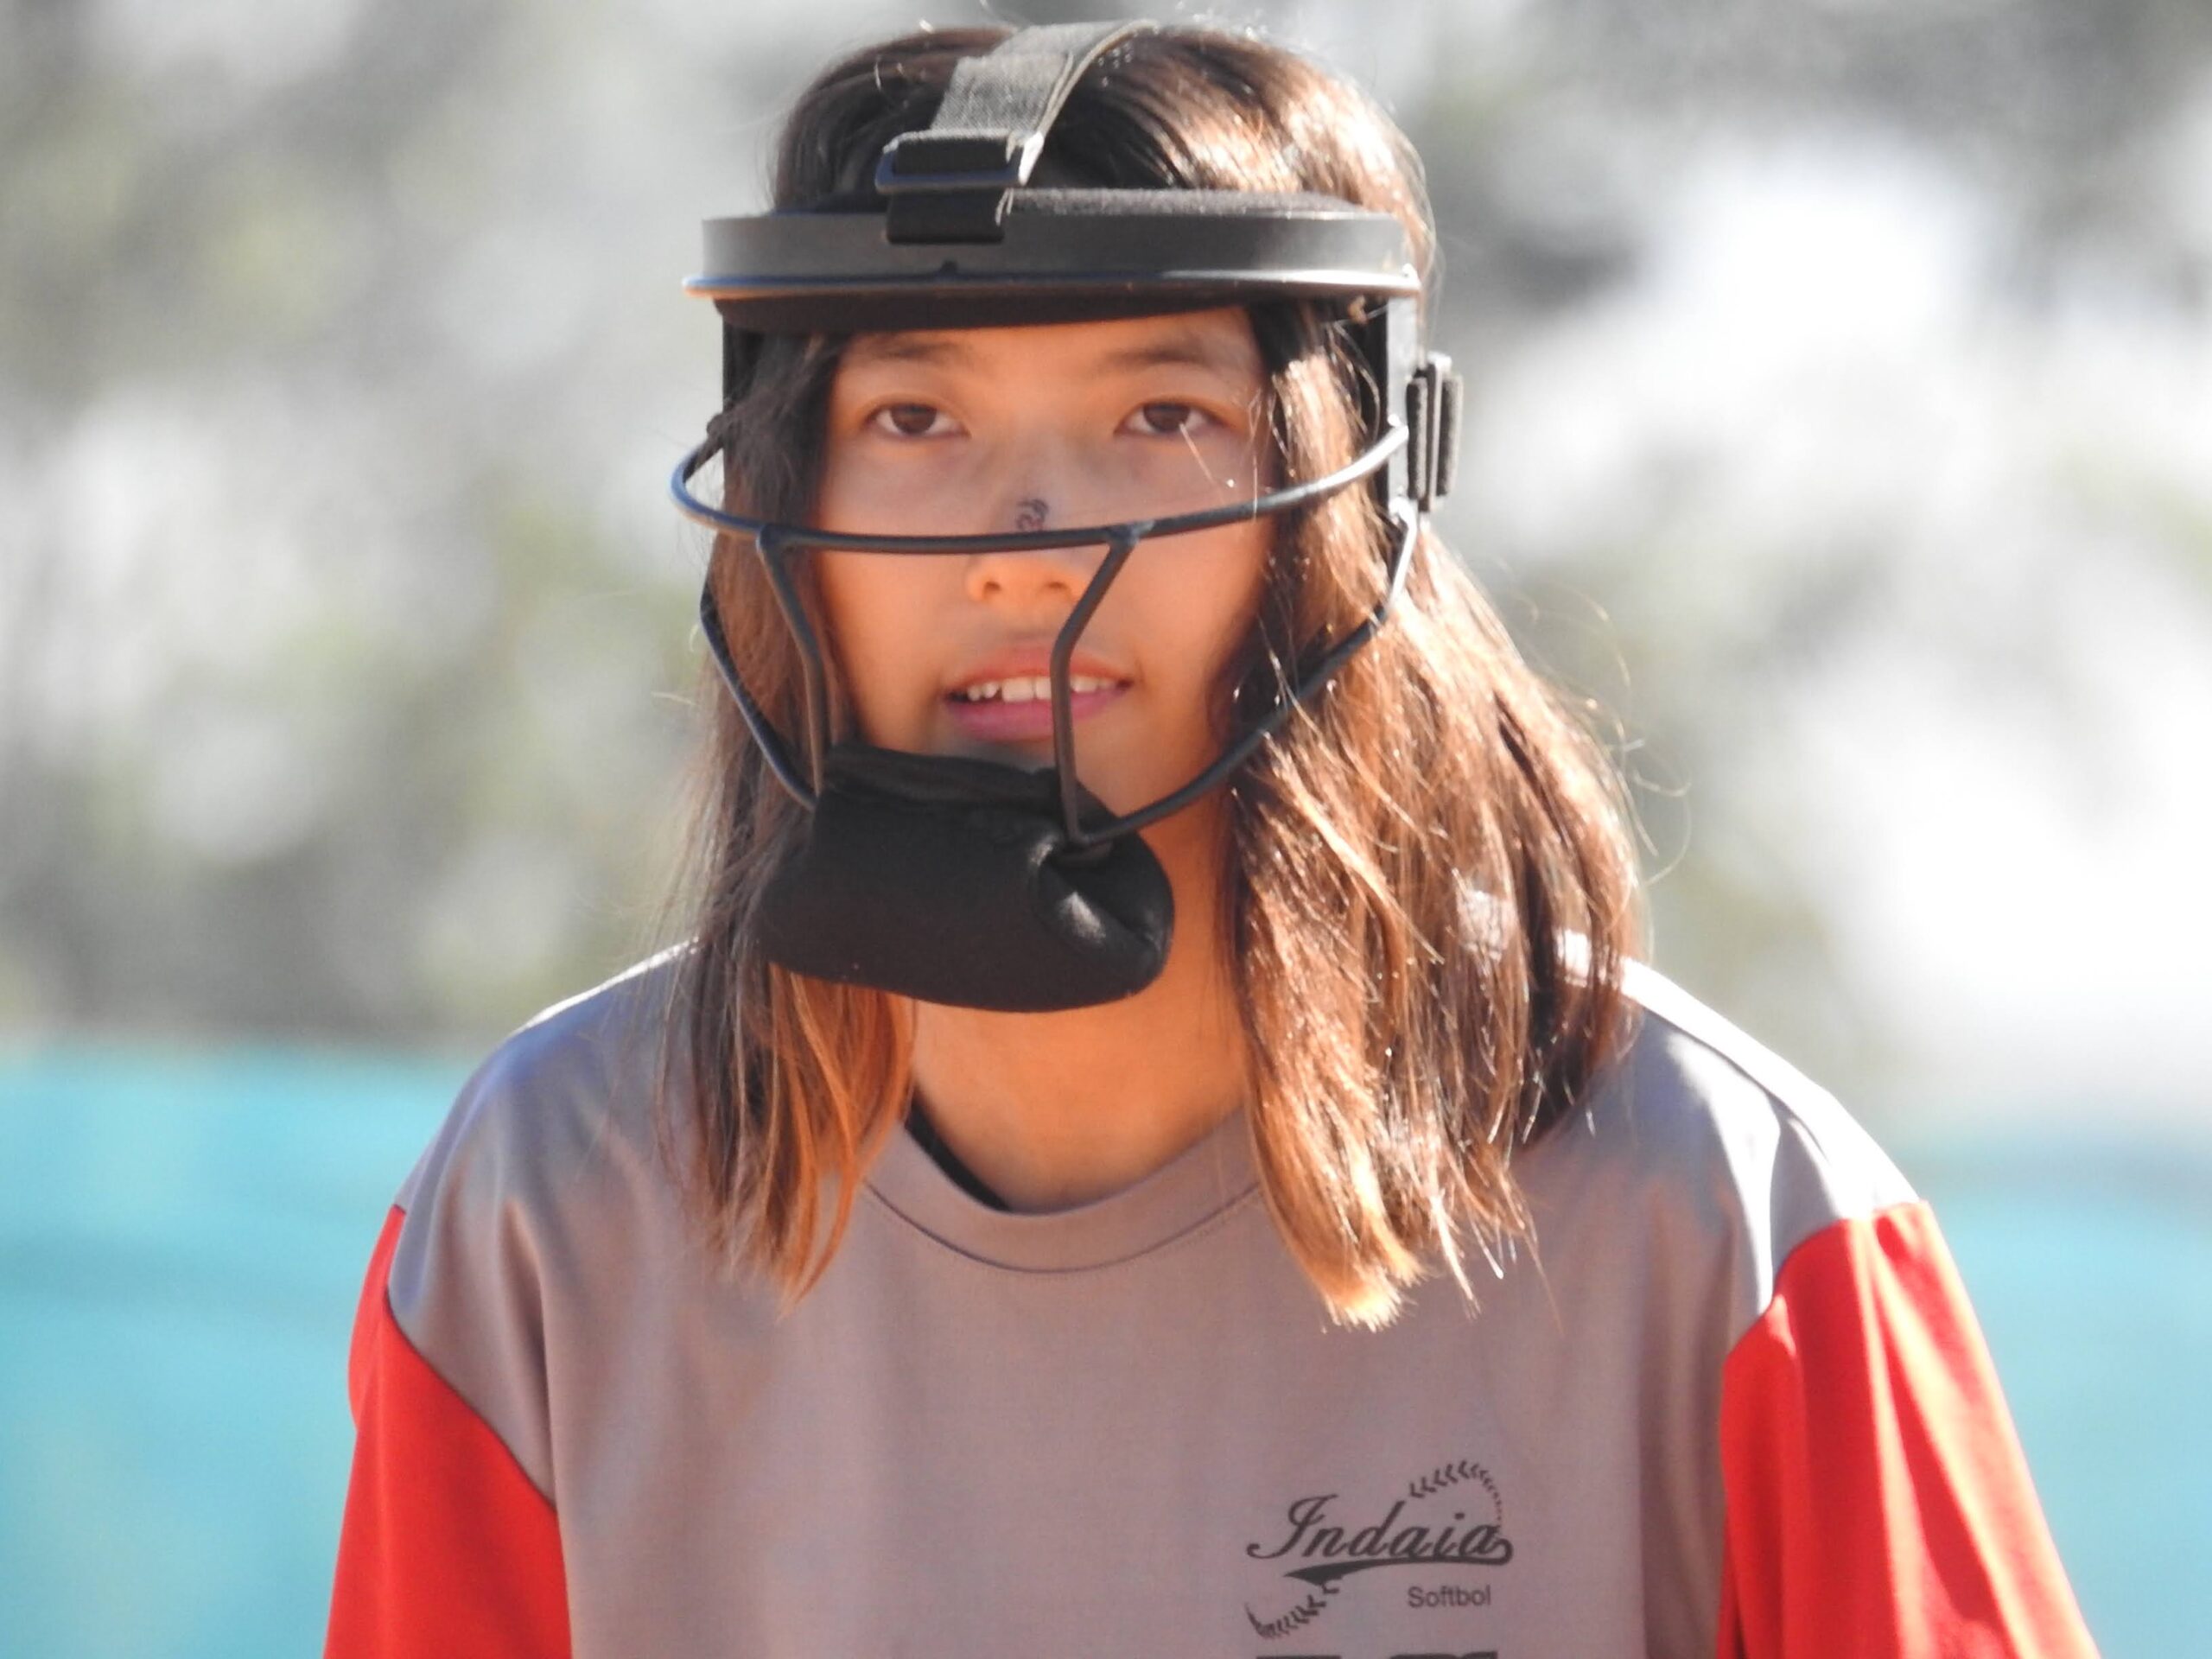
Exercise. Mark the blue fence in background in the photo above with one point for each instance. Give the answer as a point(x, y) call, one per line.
point(182, 1237)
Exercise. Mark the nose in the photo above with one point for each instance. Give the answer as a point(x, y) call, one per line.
point(1042, 491)
point(1031, 577)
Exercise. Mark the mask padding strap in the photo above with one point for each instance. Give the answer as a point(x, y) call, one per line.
point(950, 182)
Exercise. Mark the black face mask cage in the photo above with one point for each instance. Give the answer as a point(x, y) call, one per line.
point(956, 238)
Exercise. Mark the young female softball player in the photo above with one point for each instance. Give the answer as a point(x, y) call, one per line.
point(1156, 1140)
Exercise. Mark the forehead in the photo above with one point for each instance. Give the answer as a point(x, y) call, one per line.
point(1218, 341)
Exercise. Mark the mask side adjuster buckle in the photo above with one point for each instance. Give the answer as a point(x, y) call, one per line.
point(1433, 395)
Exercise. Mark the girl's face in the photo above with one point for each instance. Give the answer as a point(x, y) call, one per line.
point(975, 430)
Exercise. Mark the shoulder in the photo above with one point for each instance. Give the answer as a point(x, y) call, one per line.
point(1696, 1076)
point(567, 1090)
point(545, 1171)
point(1702, 1148)
point(534, 1203)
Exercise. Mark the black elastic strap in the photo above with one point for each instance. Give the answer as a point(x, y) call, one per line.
point(923, 1128)
point(949, 182)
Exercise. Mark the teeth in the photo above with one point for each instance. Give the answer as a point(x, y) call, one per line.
point(1027, 689)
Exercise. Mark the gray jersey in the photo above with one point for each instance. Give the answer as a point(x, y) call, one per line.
point(1130, 1428)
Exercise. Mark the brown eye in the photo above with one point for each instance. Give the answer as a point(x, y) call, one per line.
point(1169, 420)
point(908, 420)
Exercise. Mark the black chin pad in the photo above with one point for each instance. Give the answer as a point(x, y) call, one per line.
point(950, 880)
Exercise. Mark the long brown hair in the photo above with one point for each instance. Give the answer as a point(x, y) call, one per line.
point(1431, 883)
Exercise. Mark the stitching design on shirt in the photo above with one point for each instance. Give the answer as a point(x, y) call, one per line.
point(1273, 1630)
point(1449, 1474)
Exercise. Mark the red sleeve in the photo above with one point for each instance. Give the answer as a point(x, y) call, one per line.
point(448, 1549)
point(1877, 1502)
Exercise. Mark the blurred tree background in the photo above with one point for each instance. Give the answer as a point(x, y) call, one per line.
point(1841, 427)
point(1841, 431)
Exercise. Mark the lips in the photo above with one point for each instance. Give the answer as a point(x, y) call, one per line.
point(1008, 697)
point(1029, 689)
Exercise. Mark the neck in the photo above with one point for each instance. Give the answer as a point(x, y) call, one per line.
point(1052, 1110)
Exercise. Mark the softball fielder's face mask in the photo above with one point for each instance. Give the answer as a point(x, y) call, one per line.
point(964, 880)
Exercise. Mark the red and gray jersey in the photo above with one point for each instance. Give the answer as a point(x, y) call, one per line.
point(1734, 1403)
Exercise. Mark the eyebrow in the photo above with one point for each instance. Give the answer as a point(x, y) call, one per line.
point(1186, 347)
